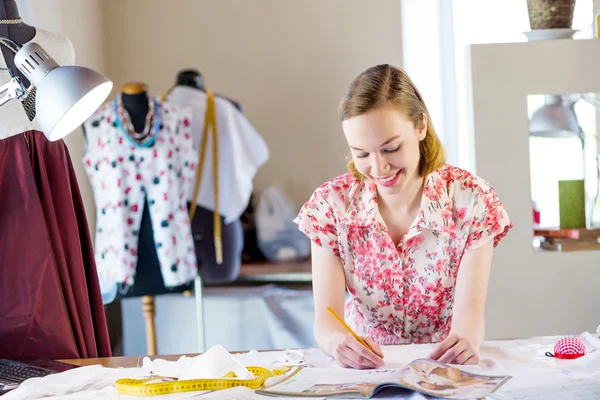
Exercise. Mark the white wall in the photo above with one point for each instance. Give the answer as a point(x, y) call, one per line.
point(530, 293)
point(288, 63)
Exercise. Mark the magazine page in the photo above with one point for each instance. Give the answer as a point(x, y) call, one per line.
point(422, 375)
point(446, 381)
point(320, 382)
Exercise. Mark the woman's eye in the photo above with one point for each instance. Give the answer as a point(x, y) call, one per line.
point(362, 155)
point(392, 150)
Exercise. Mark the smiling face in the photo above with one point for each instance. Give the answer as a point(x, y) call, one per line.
point(385, 146)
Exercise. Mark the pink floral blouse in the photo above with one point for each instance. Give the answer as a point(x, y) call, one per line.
point(404, 294)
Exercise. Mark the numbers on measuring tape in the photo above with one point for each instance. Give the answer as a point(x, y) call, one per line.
point(141, 387)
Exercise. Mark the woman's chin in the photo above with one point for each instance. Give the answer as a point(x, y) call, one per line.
point(395, 188)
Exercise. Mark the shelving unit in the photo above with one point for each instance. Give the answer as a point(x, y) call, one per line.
point(530, 292)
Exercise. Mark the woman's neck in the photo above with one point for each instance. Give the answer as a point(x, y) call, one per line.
point(8, 9)
point(137, 107)
point(19, 33)
point(406, 200)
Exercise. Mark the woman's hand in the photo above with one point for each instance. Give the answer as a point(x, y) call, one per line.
point(350, 353)
point(456, 349)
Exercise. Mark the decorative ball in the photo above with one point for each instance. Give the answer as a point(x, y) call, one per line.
point(569, 348)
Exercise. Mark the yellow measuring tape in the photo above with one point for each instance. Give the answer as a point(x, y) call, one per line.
point(140, 387)
point(210, 121)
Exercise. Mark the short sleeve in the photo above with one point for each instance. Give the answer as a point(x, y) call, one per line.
point(317, 220)
point(489, 221)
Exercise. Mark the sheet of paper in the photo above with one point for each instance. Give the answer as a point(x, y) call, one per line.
point(309, 377)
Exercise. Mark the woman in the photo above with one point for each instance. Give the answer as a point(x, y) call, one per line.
point(408, 236)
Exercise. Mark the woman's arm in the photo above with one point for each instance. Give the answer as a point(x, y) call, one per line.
point(468, 317)
point(329, 290)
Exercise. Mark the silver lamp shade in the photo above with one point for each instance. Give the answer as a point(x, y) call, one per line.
point(555, 119)
point(65, 96)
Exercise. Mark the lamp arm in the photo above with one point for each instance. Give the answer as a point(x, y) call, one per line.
point(13, 89)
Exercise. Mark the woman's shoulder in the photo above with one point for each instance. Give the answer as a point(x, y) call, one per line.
point(465, 188)
point(336, 191)
point(340, 184)
point(459, 180)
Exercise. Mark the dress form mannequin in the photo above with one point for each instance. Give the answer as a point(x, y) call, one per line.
point(140, 160)
point(202, 223)
point(193, 78)
point(135, 100)
point(13, 118)
point(148, 277)
point(241, 151)
point(46, 252)
point(19, 33)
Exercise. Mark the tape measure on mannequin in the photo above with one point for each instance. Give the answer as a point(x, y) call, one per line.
point(140, 387)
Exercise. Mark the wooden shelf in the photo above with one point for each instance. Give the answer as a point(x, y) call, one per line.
point(576, 234)
point(565, 245)
point(269, 268)
point(288, 272)
point(568, 240)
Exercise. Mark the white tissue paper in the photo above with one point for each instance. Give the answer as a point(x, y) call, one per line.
point(214, 363)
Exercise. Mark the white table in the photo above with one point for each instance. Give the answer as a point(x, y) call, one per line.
point(534, 375)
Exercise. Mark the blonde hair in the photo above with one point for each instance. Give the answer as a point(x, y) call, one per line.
point(384, 83)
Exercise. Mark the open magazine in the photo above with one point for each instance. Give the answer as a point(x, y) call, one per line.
point(421, 375)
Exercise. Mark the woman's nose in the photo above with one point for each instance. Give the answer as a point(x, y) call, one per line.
point(380, 166)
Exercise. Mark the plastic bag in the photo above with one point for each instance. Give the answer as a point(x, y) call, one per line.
point(278, 236)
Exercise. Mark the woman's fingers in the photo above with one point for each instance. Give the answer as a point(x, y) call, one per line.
point(443, 347)
point(467, 358)
point(454, 352)
point(455, 349)
point(363, 352)
point(349, 352)
point(353, 360)
point(375, 346)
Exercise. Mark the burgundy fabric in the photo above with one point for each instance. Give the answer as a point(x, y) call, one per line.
point(50, 301)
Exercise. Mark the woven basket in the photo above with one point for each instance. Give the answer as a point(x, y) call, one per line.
point(550, 14)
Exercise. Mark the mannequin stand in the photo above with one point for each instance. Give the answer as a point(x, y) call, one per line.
point(148, 311)
point(198, 296)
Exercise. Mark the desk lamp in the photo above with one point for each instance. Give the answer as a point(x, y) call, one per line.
point(555, 119)
point(65, 96)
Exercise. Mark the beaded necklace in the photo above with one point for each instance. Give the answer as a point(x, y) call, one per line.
point(147, 136)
